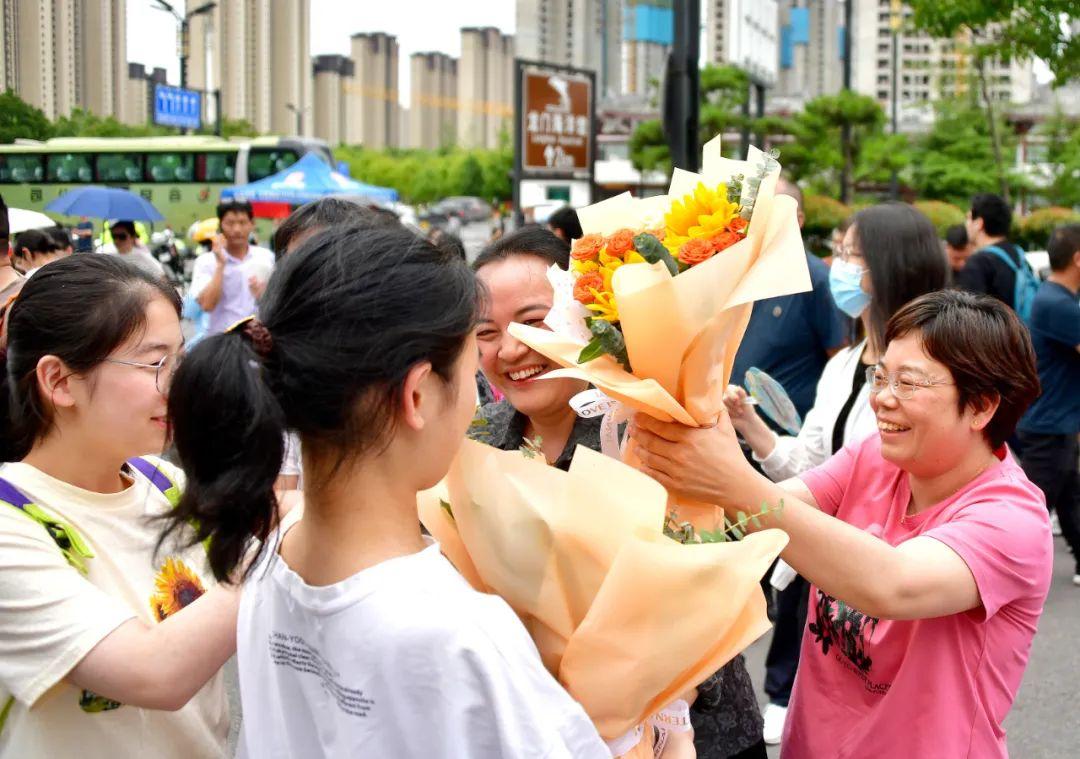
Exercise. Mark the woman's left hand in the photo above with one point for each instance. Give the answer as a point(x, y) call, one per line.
point(698, 463)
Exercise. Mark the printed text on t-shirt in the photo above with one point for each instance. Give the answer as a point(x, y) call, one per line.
point(295, 652)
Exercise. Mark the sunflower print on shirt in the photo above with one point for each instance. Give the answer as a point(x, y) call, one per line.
point(175, 586)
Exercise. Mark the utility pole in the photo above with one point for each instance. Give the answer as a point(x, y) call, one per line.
point(682, 87)
point(845, 131)
point(894, 22)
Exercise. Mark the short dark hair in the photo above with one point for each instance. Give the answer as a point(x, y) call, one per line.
point(60, 235)
point(450, 243)
point(36, 241)
point(566, 221)
point(234, 206)
point(80, 309)
point(984, 345)
point(994, 212)
point(1064, 242)
point(904, 256)
point(532, 240)
point(5, 227)
point(127, 226)
point(956, 236)
point(326, 213)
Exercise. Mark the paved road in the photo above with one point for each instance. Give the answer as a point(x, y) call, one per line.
point(1045, 721)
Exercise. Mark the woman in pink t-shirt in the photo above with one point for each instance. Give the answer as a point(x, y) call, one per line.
point(928, 549)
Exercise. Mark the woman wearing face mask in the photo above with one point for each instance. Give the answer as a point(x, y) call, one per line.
point(890, 255)
point(513, 270)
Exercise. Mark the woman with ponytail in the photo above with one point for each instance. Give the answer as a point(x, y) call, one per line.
point(109, 647)
point(356, 636)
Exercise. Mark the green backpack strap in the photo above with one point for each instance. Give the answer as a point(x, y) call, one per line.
point(66, 537)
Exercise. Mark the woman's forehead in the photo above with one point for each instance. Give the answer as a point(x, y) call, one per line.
point(907, 352)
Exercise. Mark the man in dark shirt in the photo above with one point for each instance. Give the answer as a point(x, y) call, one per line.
point(792, 336)
point(1048, 431)
point(988, 224)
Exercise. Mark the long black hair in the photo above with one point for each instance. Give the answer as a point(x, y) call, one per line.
point(348, 313)
point(904, 256)
point(79, 309)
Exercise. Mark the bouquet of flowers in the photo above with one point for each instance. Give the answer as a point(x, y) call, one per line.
point(699, 225)
point(626, 618)
point(661, 289)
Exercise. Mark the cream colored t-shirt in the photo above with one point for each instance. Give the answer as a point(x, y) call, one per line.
point(51, 616)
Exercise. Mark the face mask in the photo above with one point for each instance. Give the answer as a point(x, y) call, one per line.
point(844, 283)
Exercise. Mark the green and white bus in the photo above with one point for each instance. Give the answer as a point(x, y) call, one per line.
point(182, 176)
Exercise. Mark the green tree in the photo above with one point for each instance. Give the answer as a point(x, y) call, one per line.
point(1063, 158)
point(817, 153)
point(20, 119)
point(468, 175)
point(1005, 30)
point(83, 123)
point(955, 159)
point(724, 90)
point(230, 128)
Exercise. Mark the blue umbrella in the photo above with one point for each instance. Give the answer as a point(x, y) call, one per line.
point(104, 203)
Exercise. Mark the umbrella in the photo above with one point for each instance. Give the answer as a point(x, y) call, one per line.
point(20, 220)
point(306, 180)
point(104, 203)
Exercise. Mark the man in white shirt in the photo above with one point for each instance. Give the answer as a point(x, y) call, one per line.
point(127, 246)
point(228, 281)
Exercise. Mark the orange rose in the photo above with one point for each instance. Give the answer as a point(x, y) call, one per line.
point(620, 243)
point(658, 233)
point(587, 248)
point(582, 293)
point(694, 252)
point(738, 224)
point(723, 240)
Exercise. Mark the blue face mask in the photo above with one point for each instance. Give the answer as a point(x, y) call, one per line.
point(844, 283)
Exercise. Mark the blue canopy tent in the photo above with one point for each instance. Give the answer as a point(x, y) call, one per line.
point(306, 180)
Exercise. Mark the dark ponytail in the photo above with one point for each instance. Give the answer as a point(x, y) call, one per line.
point(348, 314)
point(219, 399)
point(79, 309)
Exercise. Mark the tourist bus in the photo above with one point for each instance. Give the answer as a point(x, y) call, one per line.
point(182, 176)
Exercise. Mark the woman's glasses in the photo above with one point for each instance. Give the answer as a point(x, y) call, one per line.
point(164, 369)
point(903, 384)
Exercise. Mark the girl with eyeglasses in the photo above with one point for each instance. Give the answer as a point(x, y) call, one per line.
point(928, 549)
point(110, 642)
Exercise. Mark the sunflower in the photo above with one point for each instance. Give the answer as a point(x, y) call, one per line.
point(703, 213)
point(175, 586)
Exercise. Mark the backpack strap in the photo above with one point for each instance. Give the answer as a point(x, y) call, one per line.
point(999, 252)
point(157, 478)
point(65, 536)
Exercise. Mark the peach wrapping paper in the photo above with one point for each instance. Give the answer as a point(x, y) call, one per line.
point(626, 618)
point(682, 332)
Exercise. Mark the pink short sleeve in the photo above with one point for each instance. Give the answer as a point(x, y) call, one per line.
point(829, 481)
point(1003, 535)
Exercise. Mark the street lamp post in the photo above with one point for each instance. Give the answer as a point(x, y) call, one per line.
point(185, 24)
point(895, 21)
point(299, 112)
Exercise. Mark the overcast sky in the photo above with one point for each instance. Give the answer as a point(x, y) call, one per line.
point(419, 25)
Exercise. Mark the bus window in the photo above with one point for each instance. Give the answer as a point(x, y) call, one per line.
point(170, 167)
point(18, 168)
point(262, 162)
point(119, 167)
point(215, 167)
point(69, 168)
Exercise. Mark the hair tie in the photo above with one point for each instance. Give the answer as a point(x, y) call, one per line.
point(262, 342)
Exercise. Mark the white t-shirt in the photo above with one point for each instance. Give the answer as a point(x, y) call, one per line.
point(51, 616)
point(292, 461)
point(401, 660)
point(237, 301)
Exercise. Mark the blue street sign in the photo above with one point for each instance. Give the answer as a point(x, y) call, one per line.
point(176, 107)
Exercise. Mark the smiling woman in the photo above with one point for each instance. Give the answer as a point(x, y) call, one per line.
point(928, 549)
point(725, 715)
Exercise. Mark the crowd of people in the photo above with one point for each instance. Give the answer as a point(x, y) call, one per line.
point(165, 506)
